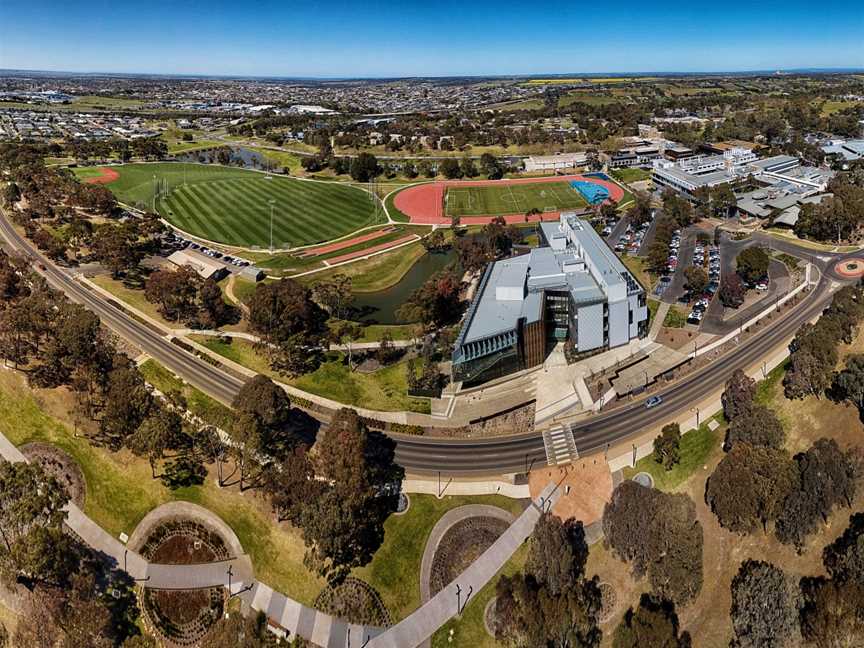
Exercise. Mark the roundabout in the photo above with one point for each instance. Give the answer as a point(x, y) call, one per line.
point(850, 268)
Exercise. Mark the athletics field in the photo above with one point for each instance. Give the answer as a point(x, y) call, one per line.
point(232, 206)
point(478, 201)
point(499, 200)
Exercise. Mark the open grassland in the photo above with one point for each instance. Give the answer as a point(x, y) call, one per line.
point(495, 200)
point(831, 107)
point(232, 206)
point(85, 103)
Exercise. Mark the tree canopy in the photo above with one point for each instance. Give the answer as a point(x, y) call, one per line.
point(653, 623)
point(765, 605)
point(658, 534)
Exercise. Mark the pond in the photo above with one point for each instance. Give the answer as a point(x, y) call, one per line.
point(229, 156)
point(380, 307)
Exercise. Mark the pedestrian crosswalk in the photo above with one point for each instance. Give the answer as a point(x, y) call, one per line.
point(560, 445)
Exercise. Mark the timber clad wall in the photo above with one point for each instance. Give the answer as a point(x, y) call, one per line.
point(534, 340)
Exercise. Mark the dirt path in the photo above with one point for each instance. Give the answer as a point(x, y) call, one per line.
point(229, 293)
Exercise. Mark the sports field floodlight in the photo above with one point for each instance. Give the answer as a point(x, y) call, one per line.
point(272, 202)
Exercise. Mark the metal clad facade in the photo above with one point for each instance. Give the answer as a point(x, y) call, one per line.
point(619, 323)
point(589, 320)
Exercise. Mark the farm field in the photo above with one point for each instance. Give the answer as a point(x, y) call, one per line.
point(511, 199)
point(231, 206)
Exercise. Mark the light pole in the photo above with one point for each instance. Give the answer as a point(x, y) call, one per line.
point(272, 202)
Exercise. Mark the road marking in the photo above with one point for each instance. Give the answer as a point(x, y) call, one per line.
point(559, 445)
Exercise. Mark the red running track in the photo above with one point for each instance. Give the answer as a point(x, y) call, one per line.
point(371, 250)
point(423, 204)
point(341, 245)
point(108, 175)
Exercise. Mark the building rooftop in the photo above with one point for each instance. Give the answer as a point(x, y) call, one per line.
point(777, 160)
point(579, 262)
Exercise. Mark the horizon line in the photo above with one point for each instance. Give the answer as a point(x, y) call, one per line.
point(549, 75)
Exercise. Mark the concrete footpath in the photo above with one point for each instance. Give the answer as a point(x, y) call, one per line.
point(449, 602)
point(691, 419)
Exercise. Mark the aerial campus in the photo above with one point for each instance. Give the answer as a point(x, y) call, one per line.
point(424, 348)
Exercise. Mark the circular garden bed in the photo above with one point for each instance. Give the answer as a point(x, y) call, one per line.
point(61, 466)
point(461, 545)
point(354, 601)
point(183, 617)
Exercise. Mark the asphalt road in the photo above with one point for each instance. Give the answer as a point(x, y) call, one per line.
point(452, 457)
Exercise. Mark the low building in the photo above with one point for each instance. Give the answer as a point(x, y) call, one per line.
point(252, 273)
point(573, 288)
point(719, 148)
point(688, 175)
point(784, 204)
point(637, 156)
point(848, 150)
point(677, 152)
point(555, 162)
point(205, 266)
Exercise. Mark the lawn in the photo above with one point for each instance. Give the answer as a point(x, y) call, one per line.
point(653, 306)
point(631, 175)
point(469, 629)
point(637, 267)
point(133, 297)
point(232, 206)
point(376, 273)
point(374, 332)
point(120, 492)
point(183, 146)
point(493, 200)
point(696, 446)
point(395, 569)
point(199, 403)
point(384, 390)
point(674, 318)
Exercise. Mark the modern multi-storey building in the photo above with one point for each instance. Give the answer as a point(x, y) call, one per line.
point(574, 287)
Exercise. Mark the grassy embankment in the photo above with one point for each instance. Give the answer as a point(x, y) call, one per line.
point(385, 389)
point(120, 492)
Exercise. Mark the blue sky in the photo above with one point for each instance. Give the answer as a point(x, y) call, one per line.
point(387, 38)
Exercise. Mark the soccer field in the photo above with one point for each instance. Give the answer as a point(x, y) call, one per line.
point(503, 199)
point(232, 206)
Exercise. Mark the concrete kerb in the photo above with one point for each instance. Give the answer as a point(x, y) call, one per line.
point(447, 521)
point(448, 603)
point(756, 318)
point(466, 488)
point(184, 510)
point(697, 414)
